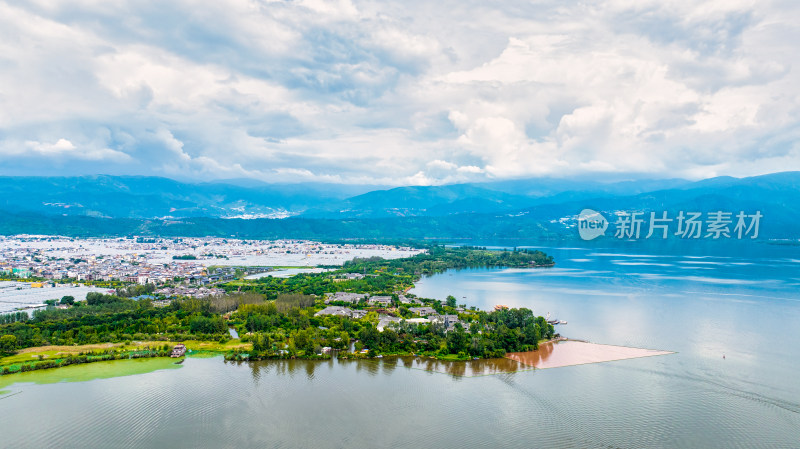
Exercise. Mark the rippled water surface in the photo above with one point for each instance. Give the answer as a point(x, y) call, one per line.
point(746, 307)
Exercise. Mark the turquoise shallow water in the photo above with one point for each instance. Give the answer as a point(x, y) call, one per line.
point(745, 306)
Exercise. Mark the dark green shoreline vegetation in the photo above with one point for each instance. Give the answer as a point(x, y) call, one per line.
point(459, 226)
point(278, 318)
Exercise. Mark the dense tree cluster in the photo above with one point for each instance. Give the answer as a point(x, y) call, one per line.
point(8, 344)
point(13, 317)
point(297, 332)
point(439, 258)
point(110, 318)
point(207, 325)
point(382, 276)
point(482, 334)
point(269, 286)
point(288, 301)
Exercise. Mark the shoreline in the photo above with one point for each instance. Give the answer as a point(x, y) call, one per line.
point(526, 361)
point(52, 357)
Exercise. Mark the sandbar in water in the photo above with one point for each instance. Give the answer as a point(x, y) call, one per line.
point(569, 353)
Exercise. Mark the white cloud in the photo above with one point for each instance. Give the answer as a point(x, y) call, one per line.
point(63, 148)
point(399, 92)
point(331, 8)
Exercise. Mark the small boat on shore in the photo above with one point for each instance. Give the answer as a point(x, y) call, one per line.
point(179, 350)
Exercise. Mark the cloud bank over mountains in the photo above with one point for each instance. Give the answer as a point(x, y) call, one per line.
point(399, 92)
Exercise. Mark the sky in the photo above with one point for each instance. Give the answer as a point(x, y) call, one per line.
point(399, 93)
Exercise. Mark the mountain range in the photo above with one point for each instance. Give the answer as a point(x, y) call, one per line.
point(539, 208)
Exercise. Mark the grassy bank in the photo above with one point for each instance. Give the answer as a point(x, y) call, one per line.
point(44, 357)
point(91, 371)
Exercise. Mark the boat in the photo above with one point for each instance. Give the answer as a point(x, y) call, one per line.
point(554, 321)
point(178, 351)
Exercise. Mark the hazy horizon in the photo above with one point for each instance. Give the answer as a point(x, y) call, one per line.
point(255, 182)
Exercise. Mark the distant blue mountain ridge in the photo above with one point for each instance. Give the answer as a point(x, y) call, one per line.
point(546, 207)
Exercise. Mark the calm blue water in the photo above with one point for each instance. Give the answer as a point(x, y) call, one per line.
point(745, 305)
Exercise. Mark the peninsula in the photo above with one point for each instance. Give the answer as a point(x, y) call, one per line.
point(359, 309)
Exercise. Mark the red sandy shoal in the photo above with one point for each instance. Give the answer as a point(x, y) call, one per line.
point(568, 353)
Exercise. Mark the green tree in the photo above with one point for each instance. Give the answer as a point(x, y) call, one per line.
point(388, 339)
point(451, 301)
point(261, 342)
point(369, 336)
point(8, 343)
point(372, 318)
point(457, 340)
point(68, 300)
point(207, 325)
point(476, 347)
point(343, 342)
point(531, 334)
point(304, 341)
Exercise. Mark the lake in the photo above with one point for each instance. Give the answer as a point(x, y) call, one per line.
point(701, 304)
